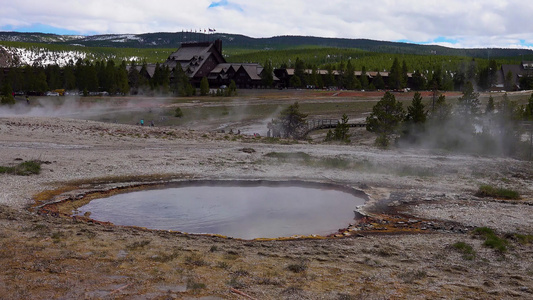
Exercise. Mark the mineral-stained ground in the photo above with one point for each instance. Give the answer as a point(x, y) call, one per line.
point(425, 234)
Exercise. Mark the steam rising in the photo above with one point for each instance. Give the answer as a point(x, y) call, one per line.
point(484, 134)
point(70, 107)
point(76, 107)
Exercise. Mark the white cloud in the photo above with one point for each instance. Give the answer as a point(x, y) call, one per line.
point(474, 23)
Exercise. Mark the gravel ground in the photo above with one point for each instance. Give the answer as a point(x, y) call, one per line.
point(416, 184)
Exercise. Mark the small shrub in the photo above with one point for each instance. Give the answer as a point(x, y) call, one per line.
point(484, 231)
point(414, 171)
point(411, 276)
point(178, 113)
point(289, 155)
point(491, 239)
point(298, 267)
point(496, 243)
point(272, 140)
point(241, 272)
point(39, 227)
point(231, 255)
point(529, 270)
point(23, 169)
point(346, 297)
point(137, 245)
point(163, 258)
point(56, 236)
point(467, 250)
point(236, 283)
point(195, 260)
point(490, 191)
point(335, 163)
point(524, 238)
point(269, 280)
point(194, 285)
point(223, 265)
point(292, 291)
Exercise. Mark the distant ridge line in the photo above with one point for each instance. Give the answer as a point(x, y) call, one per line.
point(174, 40)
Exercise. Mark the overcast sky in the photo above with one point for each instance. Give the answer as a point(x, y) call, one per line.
point(453, 23)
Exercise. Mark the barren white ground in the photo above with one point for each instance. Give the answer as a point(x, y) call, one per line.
point(429, 185)
point(76, 149)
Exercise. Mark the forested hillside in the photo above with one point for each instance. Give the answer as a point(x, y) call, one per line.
point(174, 39)
point(446, 68)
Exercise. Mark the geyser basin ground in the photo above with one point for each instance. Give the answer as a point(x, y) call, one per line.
point(245, 210)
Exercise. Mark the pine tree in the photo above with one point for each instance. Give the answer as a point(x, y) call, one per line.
point(419, 81)
point(92, 77)
point(143, 80)
point(165, 79)
point(341, 80)
point(29, 79)
point(134, 78)
point(16, 79)
point(507, 124)
point(385, 118)
point(436, 79)
point(267, 75)
point(490, 106)
point(351, 82)
point(299, 71)
point(378, 82)
point(204, 86)
point(7, 95)
point(364, 79)
point(313, 77)
point(182, 85)
point(341, 131)
point(416, 113)
point(509, 82)
point(330, 77)
point(53, 76)
point(69, 79)
point(290, 122)
point(493, 72)
point(123, 86)
point(295, 81)
point(40, 84)
point(395, 76)
point(232, 88)
point(468, 103)
point(528, 109)
point(404, 74)
point(442, 109)
point(415, 119)
point(155, 81)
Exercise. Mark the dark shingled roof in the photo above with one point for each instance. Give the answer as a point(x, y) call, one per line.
point(192, 56)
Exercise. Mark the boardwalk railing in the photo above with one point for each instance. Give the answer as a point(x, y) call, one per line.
point(317, 124)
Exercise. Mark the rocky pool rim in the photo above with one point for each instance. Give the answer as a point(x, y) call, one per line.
point(53, 206)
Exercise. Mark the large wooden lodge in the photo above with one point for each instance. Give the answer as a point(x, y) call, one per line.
point(205, 59)
point(199, 59)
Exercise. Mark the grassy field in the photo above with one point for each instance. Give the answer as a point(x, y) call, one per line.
point(312, 55)
point(248, 106)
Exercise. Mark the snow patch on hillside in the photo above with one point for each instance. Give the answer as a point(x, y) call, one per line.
point(114, 37)
point(43, 57)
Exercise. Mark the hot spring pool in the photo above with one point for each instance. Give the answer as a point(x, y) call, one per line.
point(240, 210)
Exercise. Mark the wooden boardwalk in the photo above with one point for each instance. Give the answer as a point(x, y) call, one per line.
point(318, 124)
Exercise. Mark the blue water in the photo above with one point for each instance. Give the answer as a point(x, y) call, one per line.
point(245, 212)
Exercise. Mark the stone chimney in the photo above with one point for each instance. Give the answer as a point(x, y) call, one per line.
point(218, 45)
